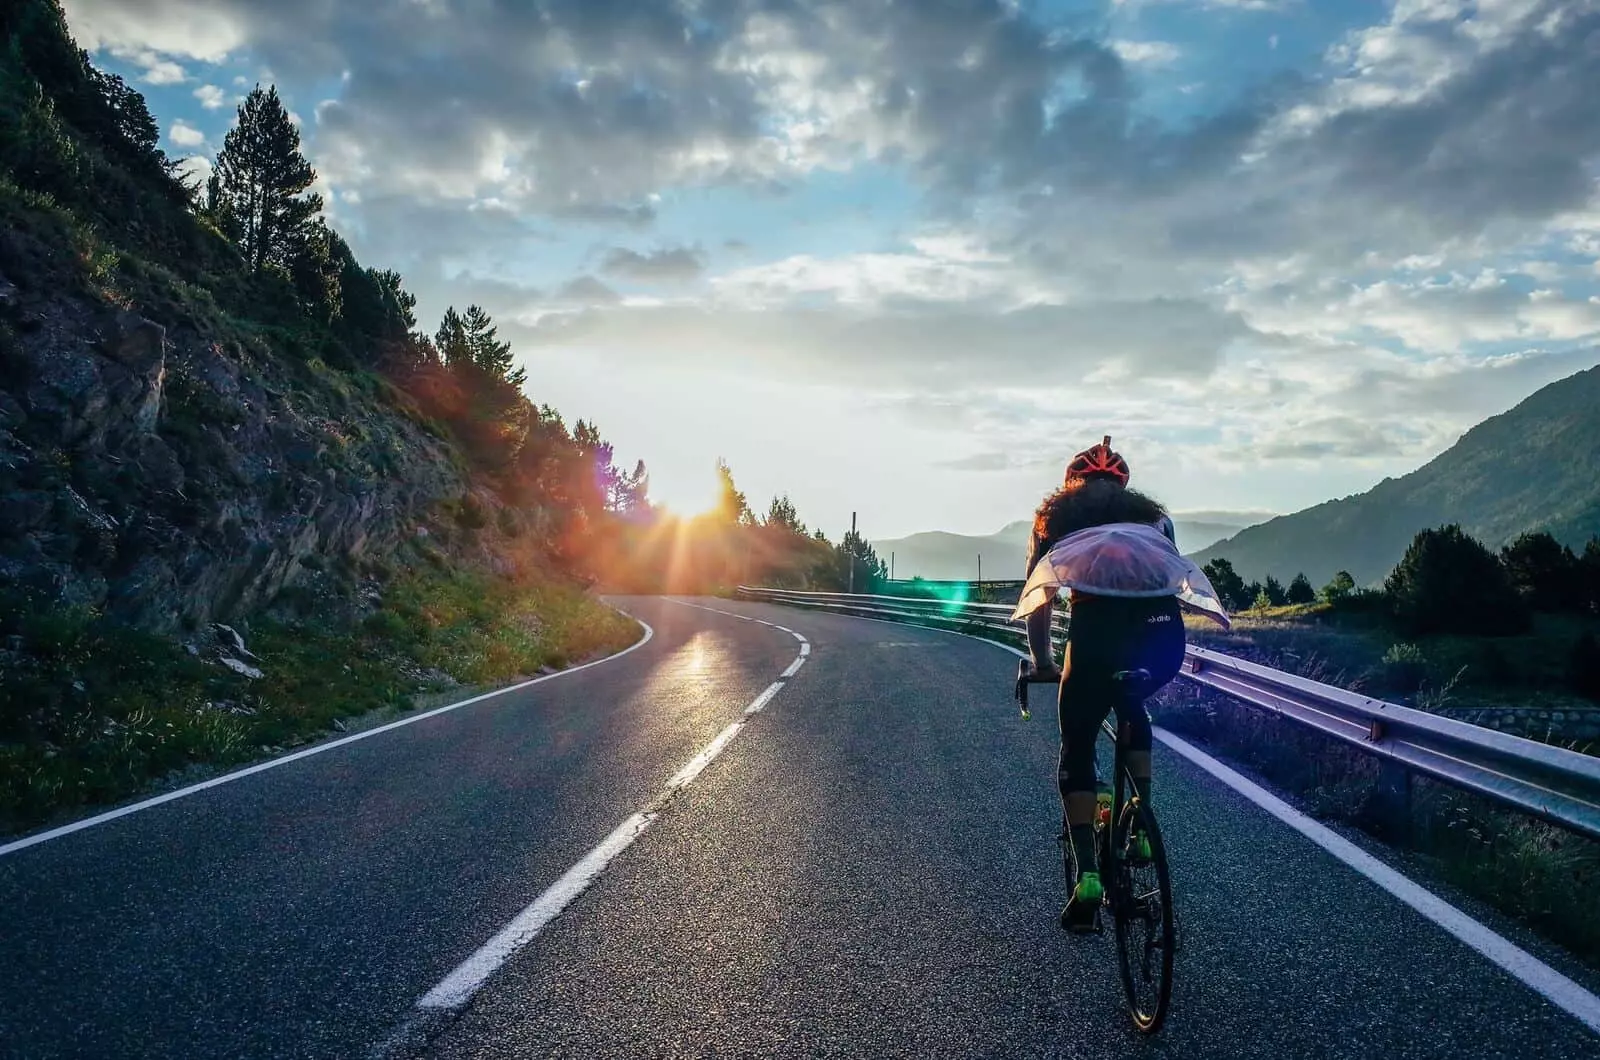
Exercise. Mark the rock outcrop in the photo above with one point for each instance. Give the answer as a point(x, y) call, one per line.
point(175, 474)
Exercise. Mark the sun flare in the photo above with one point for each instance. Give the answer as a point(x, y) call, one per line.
point(688, 495)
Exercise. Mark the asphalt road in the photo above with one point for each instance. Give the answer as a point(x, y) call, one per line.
point(868, 870)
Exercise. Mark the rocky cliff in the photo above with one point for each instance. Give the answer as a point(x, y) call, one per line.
point(166, 467)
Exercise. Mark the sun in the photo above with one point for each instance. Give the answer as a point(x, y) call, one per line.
point(687, 494)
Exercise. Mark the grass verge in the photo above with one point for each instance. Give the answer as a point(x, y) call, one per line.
point(92, 712)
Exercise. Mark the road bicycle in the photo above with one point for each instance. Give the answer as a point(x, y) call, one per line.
point(1138, 894)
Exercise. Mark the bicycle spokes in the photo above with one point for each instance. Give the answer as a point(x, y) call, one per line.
point(1142, 911)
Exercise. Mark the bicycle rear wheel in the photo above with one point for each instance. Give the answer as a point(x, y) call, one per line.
point(1142, 912)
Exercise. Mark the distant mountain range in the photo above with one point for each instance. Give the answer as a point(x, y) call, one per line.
point(1536, 467)
point(940, 556)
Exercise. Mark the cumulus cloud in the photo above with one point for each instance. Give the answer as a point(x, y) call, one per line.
point(211, 97)
point(672, 265)
point(154, 67)
point(195, 169)
point(183, 134)
point(186, 28)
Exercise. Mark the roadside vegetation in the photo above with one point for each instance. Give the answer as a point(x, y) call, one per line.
point(93, 711)
point(1455, 626)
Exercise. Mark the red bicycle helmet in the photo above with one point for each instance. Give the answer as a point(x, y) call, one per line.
point(1099, 460)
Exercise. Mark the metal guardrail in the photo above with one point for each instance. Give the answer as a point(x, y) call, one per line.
point(1550, 783)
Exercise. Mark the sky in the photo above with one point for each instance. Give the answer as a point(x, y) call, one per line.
point(905, 257)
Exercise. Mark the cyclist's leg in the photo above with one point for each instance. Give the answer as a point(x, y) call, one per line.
point(1083, 704)
point(1075, 775)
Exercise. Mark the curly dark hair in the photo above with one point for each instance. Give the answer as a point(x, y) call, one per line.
point(1084, 502)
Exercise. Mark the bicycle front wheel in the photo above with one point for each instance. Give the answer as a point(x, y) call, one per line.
point(1142, 911)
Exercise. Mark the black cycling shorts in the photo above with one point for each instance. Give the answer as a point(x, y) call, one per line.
point(1107, 634)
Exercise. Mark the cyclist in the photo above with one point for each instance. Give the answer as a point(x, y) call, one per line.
point(1115, 548)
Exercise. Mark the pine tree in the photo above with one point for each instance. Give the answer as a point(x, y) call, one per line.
point(492, 356)
point(869, 571)
point(264, 180)
point(783, 515)
point(128, 112)
point(732, 507)
point(630, 492)
point(1544, 571)
point(1300, 590)
point(314, 269)
point(1589, 576)
point(598, 473)
point(455, 349)
point(1229, 586)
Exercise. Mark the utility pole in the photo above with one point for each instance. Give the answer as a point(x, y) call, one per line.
point(891, 566)
point(852, 552)
point(980, 575)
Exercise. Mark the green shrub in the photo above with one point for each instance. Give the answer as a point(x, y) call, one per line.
point(1339, 589)
point(1405, 667)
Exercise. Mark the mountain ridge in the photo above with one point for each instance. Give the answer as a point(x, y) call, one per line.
point(1535, 466)
point(940, 555)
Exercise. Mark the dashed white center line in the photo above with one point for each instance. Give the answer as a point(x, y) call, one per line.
point(456, 989)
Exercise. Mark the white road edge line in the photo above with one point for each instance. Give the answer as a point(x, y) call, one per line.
point(261, 767)
point(1567, 995)
point(1524, 966)
point(455, 990)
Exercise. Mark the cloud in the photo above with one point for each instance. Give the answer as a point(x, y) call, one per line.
point(195, 30)
point(1330, 437)
point(1434, 314)
point(211, 97)
point(154, 68)
point(1151, 52)
point(195, 169)
point(1443, 123)
point(586, 291)
point(674, 265)
point(932, 347)
point(183, 134)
